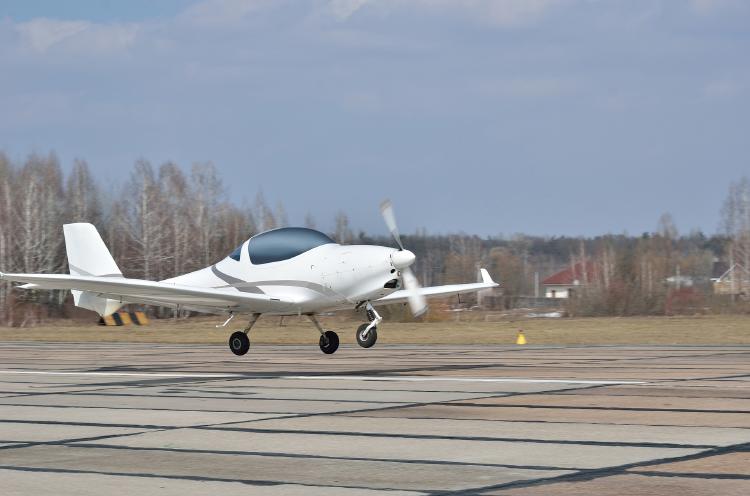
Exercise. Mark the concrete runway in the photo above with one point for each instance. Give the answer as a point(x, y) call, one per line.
point(159, 419)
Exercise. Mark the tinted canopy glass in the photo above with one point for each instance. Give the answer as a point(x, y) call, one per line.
point(235, 255)
point(284, 243)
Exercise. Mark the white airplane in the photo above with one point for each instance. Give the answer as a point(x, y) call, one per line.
point(286, 271)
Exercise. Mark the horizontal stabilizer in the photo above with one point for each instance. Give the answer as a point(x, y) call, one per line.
point(402, 296)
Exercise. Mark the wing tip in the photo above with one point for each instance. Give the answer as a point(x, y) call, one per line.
point(486, 278)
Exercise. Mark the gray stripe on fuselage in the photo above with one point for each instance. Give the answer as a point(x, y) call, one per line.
point(302, 284)
point(318, 288)
point(234, 282)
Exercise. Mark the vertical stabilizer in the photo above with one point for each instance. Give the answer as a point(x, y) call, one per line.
point(89, 256)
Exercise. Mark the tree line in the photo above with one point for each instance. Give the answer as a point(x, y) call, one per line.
point(166, 220)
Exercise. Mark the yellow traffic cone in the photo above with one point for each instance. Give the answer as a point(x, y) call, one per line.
point(521, 339)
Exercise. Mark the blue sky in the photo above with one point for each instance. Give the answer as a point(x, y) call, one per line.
point(536, 116)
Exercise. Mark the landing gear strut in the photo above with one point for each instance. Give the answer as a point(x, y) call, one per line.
point(239, 342)
point(329, 340)
point(367, 334)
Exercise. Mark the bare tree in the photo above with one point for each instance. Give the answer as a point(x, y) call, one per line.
point(7, 221)
point(177, 219)
point(460, 263)
point(237, 226)
point(81, 195)
point(666, 226)
point(736, 224)
point(38, 240)
point(263, 214)
point(310, 221)
point(342, 234)
point(281, 216)
point(144, 221)
point(206, 191)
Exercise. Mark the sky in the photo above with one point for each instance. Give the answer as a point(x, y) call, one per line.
point(545, 117)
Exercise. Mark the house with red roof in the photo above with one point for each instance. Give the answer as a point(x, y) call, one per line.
point(564, 284)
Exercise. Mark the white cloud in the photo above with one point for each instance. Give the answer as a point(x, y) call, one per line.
point(220, 13)
point(710, 6)
point(77, 37)
point(504, 13)
point(40, 34)
point(343, 9)
point(511, 12)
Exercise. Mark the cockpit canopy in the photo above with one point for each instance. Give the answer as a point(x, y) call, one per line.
point(281, 244)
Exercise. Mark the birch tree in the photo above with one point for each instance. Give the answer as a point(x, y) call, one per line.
point(309, 221)
point(263, 214)
point(143, 219)
point(38, 240)
point(735, 218)
point(342, 234)
point(82, 195)
point(175, 205)
point(7, 221)
point(206, 191)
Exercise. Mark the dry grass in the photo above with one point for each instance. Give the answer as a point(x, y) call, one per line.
point(718, 329)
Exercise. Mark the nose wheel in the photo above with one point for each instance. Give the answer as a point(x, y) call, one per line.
point(366, 337)
point(367, 334)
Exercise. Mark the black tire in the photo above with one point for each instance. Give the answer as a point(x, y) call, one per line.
point(239, 343)
point(372, 336)
point(329, 342)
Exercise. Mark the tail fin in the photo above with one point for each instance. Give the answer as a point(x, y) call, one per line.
point(89, 256)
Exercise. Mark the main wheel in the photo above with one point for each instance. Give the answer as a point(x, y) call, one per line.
point(329, 342)
point(369, 340)
point(239, 343)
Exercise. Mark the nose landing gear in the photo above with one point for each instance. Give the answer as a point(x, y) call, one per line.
point(366, 338)
point(367, 334)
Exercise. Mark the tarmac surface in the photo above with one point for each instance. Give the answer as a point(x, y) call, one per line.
point(286, 420)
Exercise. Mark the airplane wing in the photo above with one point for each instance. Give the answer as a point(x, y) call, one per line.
point(402, 295)
point(140, 290)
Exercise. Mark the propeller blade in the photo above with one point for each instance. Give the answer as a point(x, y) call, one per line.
point(386, 209)
point(417, 301)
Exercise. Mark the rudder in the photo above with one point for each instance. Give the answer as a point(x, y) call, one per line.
point(89, 256)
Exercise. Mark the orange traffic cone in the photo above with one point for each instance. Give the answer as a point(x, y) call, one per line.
point(521, 339)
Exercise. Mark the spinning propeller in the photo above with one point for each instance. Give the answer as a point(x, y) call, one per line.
point(402, 260)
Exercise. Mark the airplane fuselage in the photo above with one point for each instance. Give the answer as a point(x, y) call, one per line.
point(328, 277)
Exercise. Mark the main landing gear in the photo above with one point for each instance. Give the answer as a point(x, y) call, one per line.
point(367, 334)
point(239, 342)
point(329, 340)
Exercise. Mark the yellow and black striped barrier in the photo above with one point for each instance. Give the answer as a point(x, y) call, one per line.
point(124, 318)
